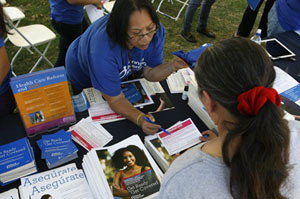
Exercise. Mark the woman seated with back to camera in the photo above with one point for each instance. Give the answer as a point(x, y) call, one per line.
point(117, 46)
point(257, 154)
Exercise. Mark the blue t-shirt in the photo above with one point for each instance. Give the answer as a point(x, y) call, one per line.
point(93, 59)
point(288, 13)
point(5, 84)
point(62, 11)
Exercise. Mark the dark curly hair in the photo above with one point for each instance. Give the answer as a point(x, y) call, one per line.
point(117, 158)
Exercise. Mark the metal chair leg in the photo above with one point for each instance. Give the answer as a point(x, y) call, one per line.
point(42, 57)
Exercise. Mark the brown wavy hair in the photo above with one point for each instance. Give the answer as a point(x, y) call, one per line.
point(259, 165)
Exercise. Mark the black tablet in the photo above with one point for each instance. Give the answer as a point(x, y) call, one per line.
point(276, 49)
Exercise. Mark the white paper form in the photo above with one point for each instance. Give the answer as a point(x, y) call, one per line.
point(93, 12)
point(179, 80)
point(176, 83)
point(183, 136)
point(103, 113)
point(90, 134)
point(188, 75)
point(283, 80)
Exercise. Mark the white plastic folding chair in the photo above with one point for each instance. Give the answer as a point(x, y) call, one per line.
point(184, 4)
point(14, 14)
point(28, 37)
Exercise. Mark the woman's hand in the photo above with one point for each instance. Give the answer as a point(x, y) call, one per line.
point(98, 4)
point(209, 134)
point(178, 63)
point(148, 127)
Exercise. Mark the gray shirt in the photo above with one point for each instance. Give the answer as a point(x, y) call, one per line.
point(196, 174)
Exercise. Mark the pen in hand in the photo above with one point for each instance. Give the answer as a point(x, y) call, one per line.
point(164, 130)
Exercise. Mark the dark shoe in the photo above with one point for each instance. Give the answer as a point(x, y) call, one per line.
point(188, 36)
point(206, 33)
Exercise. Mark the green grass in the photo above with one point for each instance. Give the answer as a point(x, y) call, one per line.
point(224, 19)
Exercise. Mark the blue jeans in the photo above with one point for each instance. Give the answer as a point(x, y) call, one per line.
point(273, 23)
point(190, 12)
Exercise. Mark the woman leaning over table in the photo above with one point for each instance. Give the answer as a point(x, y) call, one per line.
point(257, 154)
point(7, 101)
point(117, 47)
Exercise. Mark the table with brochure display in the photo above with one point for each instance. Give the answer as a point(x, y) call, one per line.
point(11, 128)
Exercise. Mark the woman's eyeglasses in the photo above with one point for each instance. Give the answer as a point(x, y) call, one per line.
point(141, 36)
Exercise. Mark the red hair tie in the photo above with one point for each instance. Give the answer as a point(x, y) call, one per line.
point(250, 102)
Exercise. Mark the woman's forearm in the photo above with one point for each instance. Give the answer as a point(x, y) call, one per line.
point(122, 106)
point(4, 64)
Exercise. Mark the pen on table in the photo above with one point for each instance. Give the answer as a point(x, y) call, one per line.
point(164, 130)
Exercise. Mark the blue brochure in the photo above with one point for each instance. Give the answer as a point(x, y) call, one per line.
point(15, 154)
point(131, 93)
point(57, 148)
point(293, 93)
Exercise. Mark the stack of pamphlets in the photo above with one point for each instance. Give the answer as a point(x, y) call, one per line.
point(57, 148)
point(43, 99)
point(10, 194)
point(16, 160)
point(133, 90)
point(65, 182)
point(162, 146)
point(90, 134)
point(125, 169)
point(177, 81)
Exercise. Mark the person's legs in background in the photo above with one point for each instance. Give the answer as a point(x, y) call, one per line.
point(188, 19)
point(248, 21)
point(203, 18)
point(263, 24)
point(68, 33)
point(273, 23)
